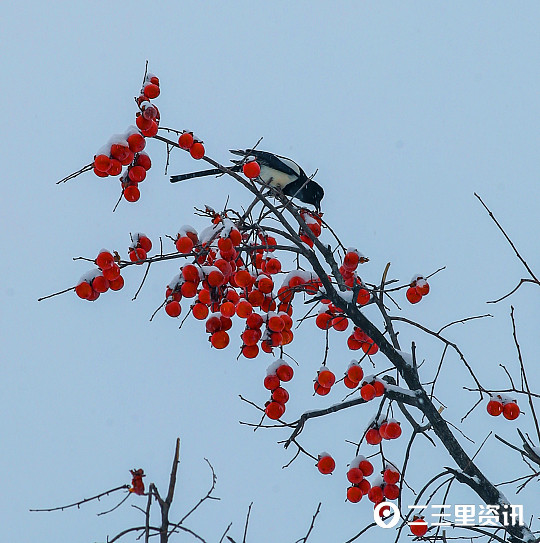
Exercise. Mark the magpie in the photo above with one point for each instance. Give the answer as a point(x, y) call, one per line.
point(277, 171)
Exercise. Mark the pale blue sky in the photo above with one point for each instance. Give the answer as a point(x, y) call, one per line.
point(405, 109)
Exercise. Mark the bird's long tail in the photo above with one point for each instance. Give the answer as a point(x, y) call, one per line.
point(202, 173)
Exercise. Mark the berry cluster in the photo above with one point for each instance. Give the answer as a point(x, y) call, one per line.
point(106, 277)
point(387, 429)
point(500, 404)
point(226, 285)
point(324, 381)
point(417, 289)
point(127, 149)
point(279, 371)
point(354, 375)
point(191, 143)
point(313, 222)
point(372, 388)
point(360, 340)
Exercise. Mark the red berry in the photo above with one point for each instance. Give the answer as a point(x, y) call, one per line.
point(413, 295)
point(250, 351)
point(185, 141)
point(115, 168)
point(254, 321)
point(184, 245)
point(137, 174)
point(326, 378)
point(340, 323)
point(152, 131)
point(137, 255)
point(280, 395)
point(379, 388)
point(244, 309)
point(188, 289)
point(348, 383)
point(105, 260)
point(355, 373)
point(84, 290)
point(285, 372)
point(151, 91)
point(100, 284)
point(144, 161)
point(393, 430)
point(274, 410)
point(494, 408)
point(354, 494)
point(136, 143)
point(197, 150)
point(368, 392)
point(144, 243)
point(271, 382)
point(251, 169)
point(116, 284)
point(351, 260)
point(326, 464)
point(220, 339)
point(390, 476)
point(373, 437)
point(200, 311)
point(355, 475)
point(132, 193)
point(391, 492)
point(273, 266)
point(112, 273)
point(173, 309)
point(375, 494)
point(102, 163)
point(143, 123)
point(363, 297)
point(511, 411)
point(320, 390)
point(367, 467)
point(418, 527)
point(323, 321)
point(364, 485)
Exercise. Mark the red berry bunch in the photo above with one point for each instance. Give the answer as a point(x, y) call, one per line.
point(148, 117)
point(140, 247)
point(96, 282)
point(418, 288)
point(128, 149)
point(352, 258)
point(353, 375)
point(371, 388)
point(500, 404)
point(324, 382)
point(313, 222)
point(325, 463)
point(191, 143)
point(387, 429)
point(360, 340)
point(359, 469)
point(277, 372)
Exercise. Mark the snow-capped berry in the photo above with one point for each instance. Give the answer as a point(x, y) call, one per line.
point(368, 392)
point(151, 91)
point(136, 142)
point(393, 430)
point(326, 378)
point(84, 290)
point(197, 150)
point(284, 372)
point(185, 141)
point(355, 373)
point(326, 464)
point(105, 260)
point(366, 466)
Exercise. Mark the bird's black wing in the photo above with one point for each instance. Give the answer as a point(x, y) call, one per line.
point(283, 164)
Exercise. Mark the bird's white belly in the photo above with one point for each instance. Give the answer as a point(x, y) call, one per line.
point(278, 179)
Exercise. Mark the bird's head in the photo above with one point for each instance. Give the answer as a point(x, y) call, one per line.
point(312, 193)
